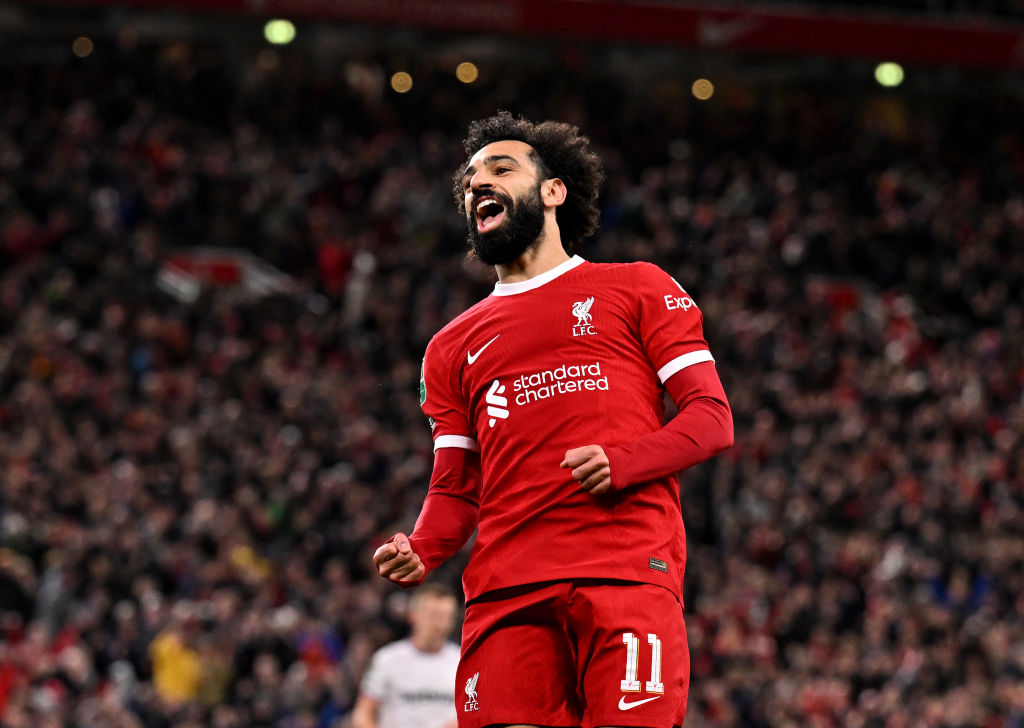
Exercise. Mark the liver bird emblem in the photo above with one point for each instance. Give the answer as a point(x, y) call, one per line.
point(581, 310)
point(471, 703)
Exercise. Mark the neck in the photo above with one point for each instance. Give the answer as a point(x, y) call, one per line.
point(424, 644)
point(540, 258)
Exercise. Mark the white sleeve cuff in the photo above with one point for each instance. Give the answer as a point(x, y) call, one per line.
point(466, 443)
point(681, 362)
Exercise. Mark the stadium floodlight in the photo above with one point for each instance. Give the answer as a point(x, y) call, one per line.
point(279, 32)
point(889, 74)
point(467, 72)
point(82, 47)
point(702, 89)
point(401, 82)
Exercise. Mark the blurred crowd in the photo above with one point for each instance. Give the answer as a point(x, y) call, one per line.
point(190, 490)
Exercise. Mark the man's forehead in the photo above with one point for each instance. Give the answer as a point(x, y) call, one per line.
point(520, 151)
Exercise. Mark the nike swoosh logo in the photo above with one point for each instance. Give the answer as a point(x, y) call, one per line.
point(471, 357)
point(623, 705)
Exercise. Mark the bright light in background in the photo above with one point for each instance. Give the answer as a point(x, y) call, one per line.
point(889, 75)
point(401, 82)
point(702, 89)
point(466, 72)
point(279, 32)
point(82, 47)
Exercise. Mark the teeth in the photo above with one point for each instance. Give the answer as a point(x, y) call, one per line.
point(480, 205)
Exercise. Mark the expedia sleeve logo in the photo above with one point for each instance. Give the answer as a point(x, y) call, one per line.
point(680, 302)
point(673, 303)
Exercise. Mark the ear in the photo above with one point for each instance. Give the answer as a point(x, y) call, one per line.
point(553, 192)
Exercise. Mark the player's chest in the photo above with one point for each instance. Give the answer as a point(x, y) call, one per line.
point(560, 343)
point(576, 322)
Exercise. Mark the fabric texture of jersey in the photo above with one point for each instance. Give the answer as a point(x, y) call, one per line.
point(573, 357)
point(414, 688)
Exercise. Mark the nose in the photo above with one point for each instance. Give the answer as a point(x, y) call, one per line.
point(480, 181)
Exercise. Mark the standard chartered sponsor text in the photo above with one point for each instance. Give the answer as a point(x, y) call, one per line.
point(560, 380)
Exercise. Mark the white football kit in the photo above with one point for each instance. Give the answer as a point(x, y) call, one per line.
point(414, 688)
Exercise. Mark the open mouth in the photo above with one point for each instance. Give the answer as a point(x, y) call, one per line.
point(489, 214)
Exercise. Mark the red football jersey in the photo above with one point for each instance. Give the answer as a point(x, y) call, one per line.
point(572, 357)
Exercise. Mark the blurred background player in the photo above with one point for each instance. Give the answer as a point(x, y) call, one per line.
point(411, 682)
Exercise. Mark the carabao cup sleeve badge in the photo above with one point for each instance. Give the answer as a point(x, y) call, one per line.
point(423, 382)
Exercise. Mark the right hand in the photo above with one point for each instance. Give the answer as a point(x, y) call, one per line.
point(397, 562)
point(590, 468)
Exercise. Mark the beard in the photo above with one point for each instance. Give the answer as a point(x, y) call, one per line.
point(524, 221)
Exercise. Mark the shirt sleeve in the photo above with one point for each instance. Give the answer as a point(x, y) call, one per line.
point(442, 402)
point(450, 511)
point(375, 679)
point(702, 428)
point(670, 326)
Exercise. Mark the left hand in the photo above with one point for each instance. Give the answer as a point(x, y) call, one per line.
point(590, 468)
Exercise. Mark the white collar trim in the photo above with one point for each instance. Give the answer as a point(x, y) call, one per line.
point(511, 289)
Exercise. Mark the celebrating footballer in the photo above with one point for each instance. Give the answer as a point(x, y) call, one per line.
point(546, 403)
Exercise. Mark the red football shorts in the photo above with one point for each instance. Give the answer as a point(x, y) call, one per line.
point(578, 653)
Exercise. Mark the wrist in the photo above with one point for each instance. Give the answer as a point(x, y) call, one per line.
point(616, 466)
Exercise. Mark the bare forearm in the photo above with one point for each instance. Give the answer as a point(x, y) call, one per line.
point(364, 715)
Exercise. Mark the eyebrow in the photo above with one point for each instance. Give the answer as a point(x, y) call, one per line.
point(490, 160)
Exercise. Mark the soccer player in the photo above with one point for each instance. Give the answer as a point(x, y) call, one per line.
point(549, 437)
point(411, 682)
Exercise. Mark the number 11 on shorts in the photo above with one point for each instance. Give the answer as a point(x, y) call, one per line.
point(632, 682)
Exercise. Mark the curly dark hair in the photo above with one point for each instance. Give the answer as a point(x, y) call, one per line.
point(561, 151)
